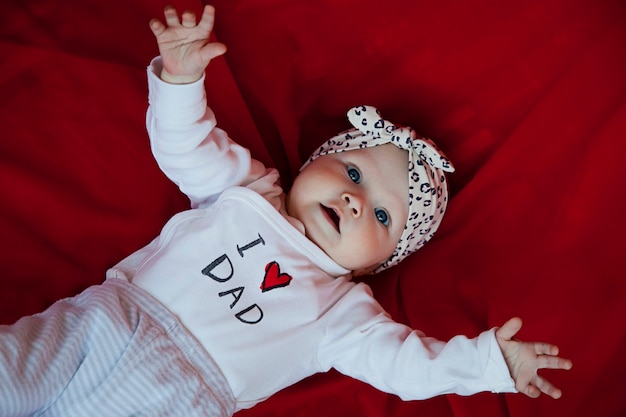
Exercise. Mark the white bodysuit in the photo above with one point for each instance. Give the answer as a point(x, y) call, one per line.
point(265, 302)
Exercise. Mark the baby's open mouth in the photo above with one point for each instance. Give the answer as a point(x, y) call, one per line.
point(332, 215)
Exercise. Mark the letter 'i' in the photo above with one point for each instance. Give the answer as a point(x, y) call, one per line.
point(252, 244)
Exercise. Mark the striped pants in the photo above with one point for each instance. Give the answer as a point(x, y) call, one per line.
point(110, 351)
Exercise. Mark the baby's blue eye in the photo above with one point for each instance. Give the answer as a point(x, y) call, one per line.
point(382, 216)
point(354, 174)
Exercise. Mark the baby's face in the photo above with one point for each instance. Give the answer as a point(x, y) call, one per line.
point(354, 204)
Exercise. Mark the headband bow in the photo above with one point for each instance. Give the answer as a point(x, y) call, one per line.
point(428, 188)
point(367, 120)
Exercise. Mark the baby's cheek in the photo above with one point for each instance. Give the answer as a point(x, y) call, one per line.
point(374, 248)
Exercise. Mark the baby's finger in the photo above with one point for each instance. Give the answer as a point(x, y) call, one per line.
point(509, 329)
point(171, 16)
point(213, 50)
point(157, 27)
point(542, 348)
point(531, 391)
point(553, 362)
point(208, 18)
point(189, 19)
point(547, 388)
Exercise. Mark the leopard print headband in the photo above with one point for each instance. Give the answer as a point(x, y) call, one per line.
point(428, 189)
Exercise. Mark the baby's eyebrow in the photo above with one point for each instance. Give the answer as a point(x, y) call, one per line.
point(349, 163)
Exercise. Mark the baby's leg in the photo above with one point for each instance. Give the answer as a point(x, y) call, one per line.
point(110, 351)
point(40, 354)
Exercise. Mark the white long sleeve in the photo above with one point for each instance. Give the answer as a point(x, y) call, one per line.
point(397, 359)
point(195, 154)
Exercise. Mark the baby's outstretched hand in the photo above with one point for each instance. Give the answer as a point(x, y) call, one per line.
point(525, 358)
point(184, 45)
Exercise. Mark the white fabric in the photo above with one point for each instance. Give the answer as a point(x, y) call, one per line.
point(268, 305)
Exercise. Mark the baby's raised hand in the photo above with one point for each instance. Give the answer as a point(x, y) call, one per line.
point(525, 358)
point(184, 45)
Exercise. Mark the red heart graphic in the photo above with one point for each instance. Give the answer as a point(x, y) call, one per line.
point(274, 278)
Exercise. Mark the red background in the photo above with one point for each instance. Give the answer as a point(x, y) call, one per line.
point(528, 99)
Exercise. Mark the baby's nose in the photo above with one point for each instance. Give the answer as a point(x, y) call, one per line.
point(354, 203)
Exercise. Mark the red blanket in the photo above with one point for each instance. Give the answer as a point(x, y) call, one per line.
point(528, 99)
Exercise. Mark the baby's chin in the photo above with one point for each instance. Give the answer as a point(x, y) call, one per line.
point(365, 271)
point(358, 267)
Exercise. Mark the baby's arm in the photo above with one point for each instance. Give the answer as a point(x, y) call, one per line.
point(524, 359)
point(364, 342)
point(184, 45)
point(189, 148)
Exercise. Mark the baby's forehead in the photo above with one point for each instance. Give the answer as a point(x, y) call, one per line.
point(386, 155)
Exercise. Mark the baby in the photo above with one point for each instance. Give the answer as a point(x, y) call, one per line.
point(250, 290)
